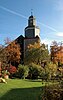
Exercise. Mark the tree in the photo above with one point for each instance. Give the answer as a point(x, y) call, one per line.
point(3, 52)
point(57, 52)
point(13, 52)
point(35, 45)
point(10, 53)
point(51, 69)
point(54, 43)
point(53, 49)
point(3, 56)
point(36, 54)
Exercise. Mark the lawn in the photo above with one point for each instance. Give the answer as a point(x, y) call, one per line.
point(17, 89)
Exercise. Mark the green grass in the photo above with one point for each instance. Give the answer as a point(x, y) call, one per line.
point(17, 89)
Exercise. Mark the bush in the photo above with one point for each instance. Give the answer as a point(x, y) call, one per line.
point(12, 71)
point(51, 69)
point(44, 74)
point(22, 71)
point(34, 71)
point(61, 83)
point(54, 92)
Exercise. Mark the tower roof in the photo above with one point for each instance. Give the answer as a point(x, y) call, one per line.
point(31, 17)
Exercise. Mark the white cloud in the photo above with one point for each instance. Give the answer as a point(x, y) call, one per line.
point(59, 34)
point(46, 41)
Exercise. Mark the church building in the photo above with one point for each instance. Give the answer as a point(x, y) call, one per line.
point(32, 35)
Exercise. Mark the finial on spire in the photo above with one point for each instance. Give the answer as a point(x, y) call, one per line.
point(31, 12)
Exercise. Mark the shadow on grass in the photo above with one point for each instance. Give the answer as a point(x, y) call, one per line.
point(34, 80)
point(23, 94)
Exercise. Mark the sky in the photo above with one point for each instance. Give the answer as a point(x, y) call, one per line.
point(14, 16)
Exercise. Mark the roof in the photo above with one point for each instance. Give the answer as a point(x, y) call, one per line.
point(32, 17)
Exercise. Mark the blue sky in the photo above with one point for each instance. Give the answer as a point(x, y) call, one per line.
point(49, 17)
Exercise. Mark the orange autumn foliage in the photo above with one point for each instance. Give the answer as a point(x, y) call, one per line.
point(13, 52)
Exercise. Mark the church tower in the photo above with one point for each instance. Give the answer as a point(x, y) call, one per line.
point(32, 31)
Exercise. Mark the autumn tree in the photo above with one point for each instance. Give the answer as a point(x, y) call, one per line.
point(3, 52)
point(56, 52)
point(53, 50)
point(3, 57)
point(13, 52)
point(10, 52)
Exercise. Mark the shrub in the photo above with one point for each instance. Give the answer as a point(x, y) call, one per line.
point(61, 83)
point(22, 71)
point(44, 74)
point(54, 92)
point(12, 71)
point(34, 71)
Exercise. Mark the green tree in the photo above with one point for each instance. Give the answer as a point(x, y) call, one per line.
point(36, 54)
point(51, 69)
